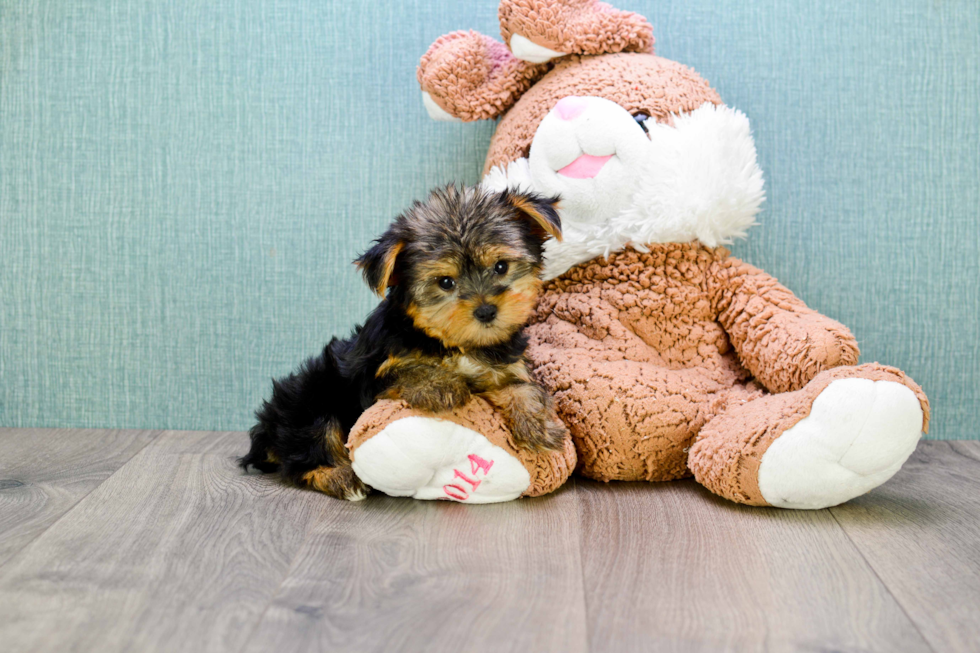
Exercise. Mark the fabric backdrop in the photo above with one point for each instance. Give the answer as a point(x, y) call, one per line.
point(183, 184)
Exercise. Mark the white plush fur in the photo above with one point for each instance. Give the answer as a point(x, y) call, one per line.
point(527, 50)
point(435, 111)
point(858, 434)
point(695, 180)
point(418, 457)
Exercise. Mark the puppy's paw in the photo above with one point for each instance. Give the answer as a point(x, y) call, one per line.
point(530, 416)
point(338, 482)
point(557, 433)
point(535, 432)
point(435, 397)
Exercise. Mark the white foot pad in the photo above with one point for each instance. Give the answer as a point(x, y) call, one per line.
point(858, 434)
point(430, 458)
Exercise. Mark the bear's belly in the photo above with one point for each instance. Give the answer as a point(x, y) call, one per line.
point(683, 343)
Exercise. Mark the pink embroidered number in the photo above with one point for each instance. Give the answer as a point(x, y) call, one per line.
point(479, 463)
point(456, 490)
point(475, 483)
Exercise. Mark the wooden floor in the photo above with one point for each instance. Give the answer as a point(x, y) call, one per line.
point(155, 541)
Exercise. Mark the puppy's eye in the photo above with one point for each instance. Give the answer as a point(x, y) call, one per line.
point(500, 268)
point(447, 283)
point(641, 119)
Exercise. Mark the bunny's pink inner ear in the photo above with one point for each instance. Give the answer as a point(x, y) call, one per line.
point(539, 30)
point(470, 76)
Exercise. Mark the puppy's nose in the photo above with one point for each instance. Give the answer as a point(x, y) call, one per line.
point(485, 313)
point(570, 107)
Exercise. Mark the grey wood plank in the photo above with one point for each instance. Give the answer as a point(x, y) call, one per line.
point(920, 532)
point(402, 575)
point(45, 472)
point(670, 567)
point(177, 551)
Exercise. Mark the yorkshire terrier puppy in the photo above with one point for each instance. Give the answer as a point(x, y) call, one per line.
point(459, 275)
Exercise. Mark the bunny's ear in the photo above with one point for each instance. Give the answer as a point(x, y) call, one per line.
point(468, 76)
point(540, 30)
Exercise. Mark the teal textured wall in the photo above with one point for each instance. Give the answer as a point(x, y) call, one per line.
point(183, 184)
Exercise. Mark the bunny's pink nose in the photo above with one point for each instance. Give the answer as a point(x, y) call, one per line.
point(570, 107)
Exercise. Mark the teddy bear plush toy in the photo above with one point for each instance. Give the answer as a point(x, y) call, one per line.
point(666, 356)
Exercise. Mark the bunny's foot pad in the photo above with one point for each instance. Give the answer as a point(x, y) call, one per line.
point(430, 458)
point(466, 455)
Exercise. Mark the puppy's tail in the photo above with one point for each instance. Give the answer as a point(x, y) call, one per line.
point(261, 455)
point(299, 434)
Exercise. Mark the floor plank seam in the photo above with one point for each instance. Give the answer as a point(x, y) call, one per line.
point(29, 543)
point(282, 581)
point(581, 560)
point(882, 581)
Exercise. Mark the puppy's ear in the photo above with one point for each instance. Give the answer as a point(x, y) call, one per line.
point(540, 212)
point(378, 263)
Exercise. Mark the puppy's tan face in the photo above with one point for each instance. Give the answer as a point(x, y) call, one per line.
point(466, 263)
point(474, 297)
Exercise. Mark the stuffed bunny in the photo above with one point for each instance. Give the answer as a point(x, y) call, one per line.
point(667, 357)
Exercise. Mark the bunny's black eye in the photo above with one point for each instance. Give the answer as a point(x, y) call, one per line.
point(641, 119)
point(500, 268)
point(447, 283)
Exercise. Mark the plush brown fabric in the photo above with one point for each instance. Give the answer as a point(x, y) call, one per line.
point(661, 363)
point(576, 26)
point(548, 470)
point(633, 352)
point(782, 341)
point(726, 456)
point(638, 82)
point(474, 77)
point(644, 350)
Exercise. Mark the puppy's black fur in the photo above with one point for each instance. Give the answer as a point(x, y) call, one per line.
point(411, 345)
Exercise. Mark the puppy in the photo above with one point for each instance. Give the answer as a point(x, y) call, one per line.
point(459, 275)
